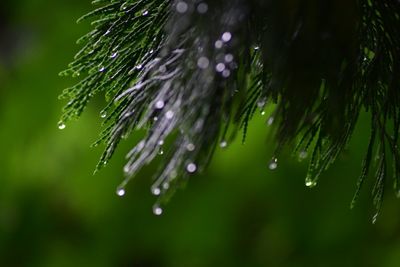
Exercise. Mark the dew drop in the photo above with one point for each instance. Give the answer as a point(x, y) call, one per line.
point(145, 13)
point(101, 69)
point(202, 8)
point(273, 165)
point(161, 152)
point(219, 44)
point(61, 125)
point(182, 7)
point(114, 55)
point(156, 191)
point(220, 67)
point(121, 192)
point(157, 210)
point(169, 115)
point(310, 183)
point(161, 142)
point(191, 168)
point(166, 186)
point(263, 113)
point(228, 58)
point(103, 114)
point(226, 37)
point(303, 154)
point(203, 63)
point(139, 67)
point(226, 73)
point(223, 144)
point(160, 104)
point(270, 121)
point(190, 147)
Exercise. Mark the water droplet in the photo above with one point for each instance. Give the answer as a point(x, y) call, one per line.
point(203, 63)
point(139, 67)
point(226, 73)
point(61, 125)
point(76, 74)
point(161, 152)
point(226, 37)
point(310, 183)
point(191, 168)
point(145, 13)
point(126, 169)
point(182, 7)
point(219, 44)
point(121, 192)
point(190, 147)
point(202, 8)
point(155, 119)
point(228, 58)
point(303, 154)
point(270, 120)
point(263, 113)
point(166, 186)
point(161, 142)
point(114, 55)
point(256, 48)
point(169, 115)
point(157, 210)
point(156, 191)
point(273, 164)
point(101, 68)
point(223, 144)
point(220, 67)
point(103, 114)
point(160, 104)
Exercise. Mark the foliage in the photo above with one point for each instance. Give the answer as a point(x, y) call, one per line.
point(192, 73)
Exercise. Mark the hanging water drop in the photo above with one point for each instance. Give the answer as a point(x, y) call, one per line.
point(202, 8)
point(157, 210)
point(223, 144)
point(166, 186)
point(182, 7)
point(310, 183)
point(61, 125)
point(190, 147)
point(191, 168)
point(219, 44)
point(270, 121)
point(220, 67)
point(226, 37)
point(203, 63)
point(101, 69)
point(159, 104)
point(121, 192)
point(103, 114)
point(169, 115)
point(161, 152)
point(273, 164)
point(145, 13)
point(303, 155)
point(156, 191)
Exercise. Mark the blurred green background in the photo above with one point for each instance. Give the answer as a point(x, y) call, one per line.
point(54, 212)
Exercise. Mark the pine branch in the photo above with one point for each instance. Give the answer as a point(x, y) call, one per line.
point(192, 73)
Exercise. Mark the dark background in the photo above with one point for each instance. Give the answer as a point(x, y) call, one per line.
point(54, 212)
